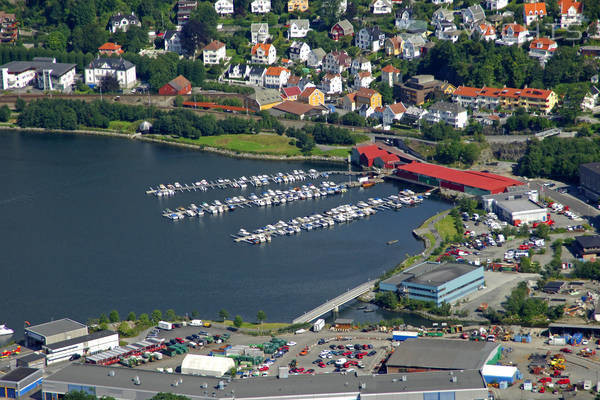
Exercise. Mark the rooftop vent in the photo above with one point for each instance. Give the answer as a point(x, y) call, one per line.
point(221, 385)
point(454, 379)
point(363, 385)
point(136, 380)
point(111, 373)
point(403, 378)
point(204, 385)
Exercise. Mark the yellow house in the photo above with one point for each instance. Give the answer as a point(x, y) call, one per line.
point(263, 99)
point(367, 96)
point(538, 99)
point(297, 5)
point(312, 96)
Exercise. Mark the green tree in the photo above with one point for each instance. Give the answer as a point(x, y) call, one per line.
point(109, 84)
point(131, 316)
point(113, 316)
point(178, 102)
point(156, 316)
point(167, 396)
point(261, 316)
point(79, 395)
point(170, 315)
point(123, 329)
point(200, 29)
point(56, 41)
point(238, 321)
point(144, 319)
point(103, 319)
point(4, 113)
point(542, 231)
point(195, 314)
point(20, 105)
point(223, 314)
point(386, 299)
point(330, 11)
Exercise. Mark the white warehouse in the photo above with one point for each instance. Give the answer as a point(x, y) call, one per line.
point(81, 346)
point(194, 364)
point(516, 207)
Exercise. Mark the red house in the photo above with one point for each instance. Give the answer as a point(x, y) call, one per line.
point(179, 85)
point(341, 29)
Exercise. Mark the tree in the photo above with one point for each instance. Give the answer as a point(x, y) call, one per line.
point(144, 319)
point(156, 316)
point(195, 314)
point(4, 113)
point(200, 29)
point(167, 396)
point(79, 395)
point(113, 316)
point(56, 41)
point(123, 329)
point(238, 321)
point(109, 84)
point(131, 316)
point(103, 319)
point(351, 10)
point(20, 105)
point(542, 231)
point(178, 102)
point(170, 315)
point(223, 314)
point(386, 299)
point(261, 316)
point(88, 38)
point(330, 11)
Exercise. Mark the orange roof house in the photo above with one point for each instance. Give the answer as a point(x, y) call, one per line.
point(109, 49)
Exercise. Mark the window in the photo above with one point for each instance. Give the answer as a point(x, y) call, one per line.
point(439, 396)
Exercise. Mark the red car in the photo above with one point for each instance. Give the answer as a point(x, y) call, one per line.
point(321, 364)
point(300, 370)
point(359, 356)
point(180, 340)
point(566, 350)
point(545, 379)
point(263, 368)
point(564, 381)
point(341, 346)
point(347, 354)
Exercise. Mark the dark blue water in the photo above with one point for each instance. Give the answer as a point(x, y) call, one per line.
point(79, 236)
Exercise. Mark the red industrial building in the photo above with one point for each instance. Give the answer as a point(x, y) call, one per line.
point(472, 182)
point(379, 155)
point(178, 86)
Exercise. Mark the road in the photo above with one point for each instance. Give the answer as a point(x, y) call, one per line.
point(575, 204)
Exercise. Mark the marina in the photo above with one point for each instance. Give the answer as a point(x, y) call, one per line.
point(337, 215)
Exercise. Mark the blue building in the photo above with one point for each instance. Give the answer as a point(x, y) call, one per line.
point(19, 382)
point(440, 283)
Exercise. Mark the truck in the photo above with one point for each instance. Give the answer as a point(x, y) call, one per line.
point(167, 326)
point(196, 322)
point(318, 325)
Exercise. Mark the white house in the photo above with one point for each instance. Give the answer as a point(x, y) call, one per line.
point(496, 4)
point(336, 62)
point(381, 7)
point(438, 2)
point(257, 76)
point(393, 112)
point(571, 13)
point(264, 54)
point(362, 79)
point(121, 69)
point(173, 42)
point(391, 75)
point(442, 14)
point(542, 48)
point(473, 15)
point(366, 111)
point(315, 58)
point(298, 28)
point(331, 84)
point(445, 30)
point(238, 71)
point(260, 6)
point(44, 73)
point(451, 113)
point(514, 34)
point(299, 51)
point(276, 77)
point(533, 11)
point(122, 22)
point(214, 52)
point(259, 33)
point(590, 99)
point(360, 63)
point(486, 31)
point(224, 7)
point(412, 47)
point(370, 39)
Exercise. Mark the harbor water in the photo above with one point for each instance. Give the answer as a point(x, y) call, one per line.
point(80, 236)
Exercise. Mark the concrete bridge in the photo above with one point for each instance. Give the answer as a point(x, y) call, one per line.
point(334, 304)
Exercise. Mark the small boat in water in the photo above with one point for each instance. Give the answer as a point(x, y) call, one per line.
point(392, 241)
point(5, 331)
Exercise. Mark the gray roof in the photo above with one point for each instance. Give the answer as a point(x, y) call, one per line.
point(80, 339)
point(56, 327)
point(17, 375)
point(259, 26)
point(58, 69)
point(266, 96)
point(257, 71)
point(588, 241)
point(518, 205)
point(443, 12)
point(319, 52)
point(514, 192)
point(170, 34)
point(447, 107)
point(118, 64)
point(300, 23)
point(448, 354)
point(295, 386)
point(31, 357)
point(592, 167)
point(346, 26)
point(430, 273)
point(477, 12)
point(132, 18)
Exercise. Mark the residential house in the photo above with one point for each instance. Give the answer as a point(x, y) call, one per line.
point(299, 51)
point(256, 77)
point(535, 100)
point(406, 23)
point(370, 97)
point(533, 11)
point(214, 52)
point(593, 30)
point(315, 58)
point(276, 77)
point(348, 102)
point(110, 49)
point(312, 96)
point(451, 113)
point(362, 79)
point(173, 42)
point(393, 112)
point(590, 99)
point(238, 71)
point(341, 29)
point(122, 70)
point(441, 2)
point(419, 88)
point(442, 14)
point(9, 27)
point(391, 75)
point(514, 34)
point(486, 31)
point(412, 47)
point(264, 54)
point(184, 10)
point(466, 96)
point(370, 39)
point(365, 110)
point(360, 63)
point(177, 86)
point(473, 15)
point(336, 62)
point(290, 93)
point(305, 82)
point(393, 46)
point(331, 84)
point(413, 115)
point(224, 7)
point(299, 109)
point(379, 7)
point(297, 5)
point(542, 48)
point(496, 4)
point(259, 33)
point(298, 28)
point(260, 6)
point(343, 7)
point(571, 13)
point(121, 22)
point(43, 72)
point(445, 30)
point(264, 99)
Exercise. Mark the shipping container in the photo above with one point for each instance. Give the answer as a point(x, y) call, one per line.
point(318, 325)
point(165, 325)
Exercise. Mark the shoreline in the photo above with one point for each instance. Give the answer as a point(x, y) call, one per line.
point(208, 149)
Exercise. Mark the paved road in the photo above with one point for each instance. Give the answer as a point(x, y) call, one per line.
point(578, 206)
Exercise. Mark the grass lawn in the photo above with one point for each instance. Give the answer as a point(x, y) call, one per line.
point(266, 326)
point(445, 228)
point(123, 126)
